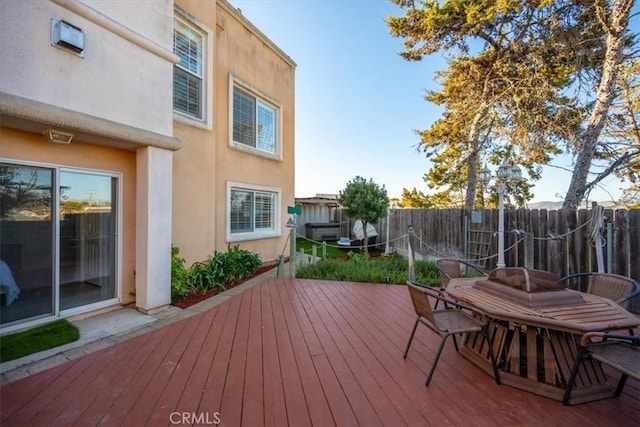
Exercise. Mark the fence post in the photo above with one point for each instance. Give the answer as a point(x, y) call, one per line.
point(609, 247)
point(292, 245)
point(528, 250)
point(412, 264)
point(280, 270)
point(465, 236)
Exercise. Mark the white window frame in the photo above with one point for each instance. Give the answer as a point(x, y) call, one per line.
point(206, 99)
point(235, 82)
point(274, 231)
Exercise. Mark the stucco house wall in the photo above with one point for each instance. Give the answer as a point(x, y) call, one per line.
point(200, 210)
point(117, 101)
point(125, 75)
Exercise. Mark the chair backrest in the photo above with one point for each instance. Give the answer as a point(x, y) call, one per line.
point(612, 286)
point(421, 303)
point(451, 268)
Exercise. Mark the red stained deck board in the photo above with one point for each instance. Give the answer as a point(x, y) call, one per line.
point(334, 396)
point(297, 412)
point(362, 363)
point(192, 394)
point(179, 379)
point(153, 357)
point(149, 399)
point(383, 362)
point(220, 362)
point(351, 385)
point(231, 404)
point(316, 402)
point(253, 402)
point(292, 352)
point(275, 410)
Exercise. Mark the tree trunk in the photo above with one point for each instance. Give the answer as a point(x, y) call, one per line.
point(473, 145)
point(365, 239)
point(616, 29)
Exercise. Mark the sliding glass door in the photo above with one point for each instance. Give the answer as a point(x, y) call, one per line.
point(87, 239)
point(58, 240)
point(26, 242)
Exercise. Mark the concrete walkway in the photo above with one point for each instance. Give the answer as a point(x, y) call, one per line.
point(106, 329)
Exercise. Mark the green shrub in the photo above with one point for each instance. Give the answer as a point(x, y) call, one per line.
point(235, 264)
point(222, 269)
point(371, 270)
point(179, 275)
point(202, 277)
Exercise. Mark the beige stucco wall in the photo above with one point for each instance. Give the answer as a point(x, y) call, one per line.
point(24, 146)
point(117, 99)
point(200, 207)
point(126, 74)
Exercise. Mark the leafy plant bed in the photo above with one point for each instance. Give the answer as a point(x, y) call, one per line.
point(355, 267)
point(197, 297)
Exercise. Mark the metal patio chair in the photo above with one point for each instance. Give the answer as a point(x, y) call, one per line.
point(449, 321)
point(621, 352)
point(618, 288)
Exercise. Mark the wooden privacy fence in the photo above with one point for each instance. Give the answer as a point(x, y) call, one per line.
point(562, 239)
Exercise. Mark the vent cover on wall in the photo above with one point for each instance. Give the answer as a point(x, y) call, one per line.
point(67, 36)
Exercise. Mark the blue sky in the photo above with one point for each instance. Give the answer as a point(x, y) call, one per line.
point(358, 103)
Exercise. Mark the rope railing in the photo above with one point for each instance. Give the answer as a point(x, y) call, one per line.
point(300, 236)
point(562, 236)
point(472, 260)
point(440, 253)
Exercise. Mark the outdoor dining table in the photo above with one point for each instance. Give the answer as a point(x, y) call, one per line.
point(536, 346)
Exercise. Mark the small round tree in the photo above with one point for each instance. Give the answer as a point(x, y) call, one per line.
point(366, 201)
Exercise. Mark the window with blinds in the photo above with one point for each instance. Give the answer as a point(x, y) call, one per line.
point(254, 121)
point(251, 211)
point(188, 45)
point(241, 211)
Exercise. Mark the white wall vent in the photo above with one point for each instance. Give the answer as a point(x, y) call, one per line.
point(67, 36)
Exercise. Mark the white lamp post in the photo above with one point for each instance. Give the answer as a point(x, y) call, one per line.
point(387, 248)
point(506, 174)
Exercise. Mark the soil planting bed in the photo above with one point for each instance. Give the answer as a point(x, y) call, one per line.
point(197, 297)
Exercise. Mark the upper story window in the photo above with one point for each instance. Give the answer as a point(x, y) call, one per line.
point(188, 73)
point(256, 121)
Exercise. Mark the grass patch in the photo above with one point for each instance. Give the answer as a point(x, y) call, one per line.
point(332, 250)
point(358, 268)
point(38, 339)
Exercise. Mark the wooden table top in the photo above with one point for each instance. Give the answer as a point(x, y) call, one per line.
point(594, 314)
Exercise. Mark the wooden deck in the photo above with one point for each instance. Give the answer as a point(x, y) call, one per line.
point(290, 352)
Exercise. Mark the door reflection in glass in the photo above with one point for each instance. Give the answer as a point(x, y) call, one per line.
point(26, 242)
point(87, 239)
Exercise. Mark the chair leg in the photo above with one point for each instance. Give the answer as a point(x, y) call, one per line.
point(572, 377)
point(413, 331)
point(455, 343)
point(494, 362)
point(621, 384)
point(435, 361)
